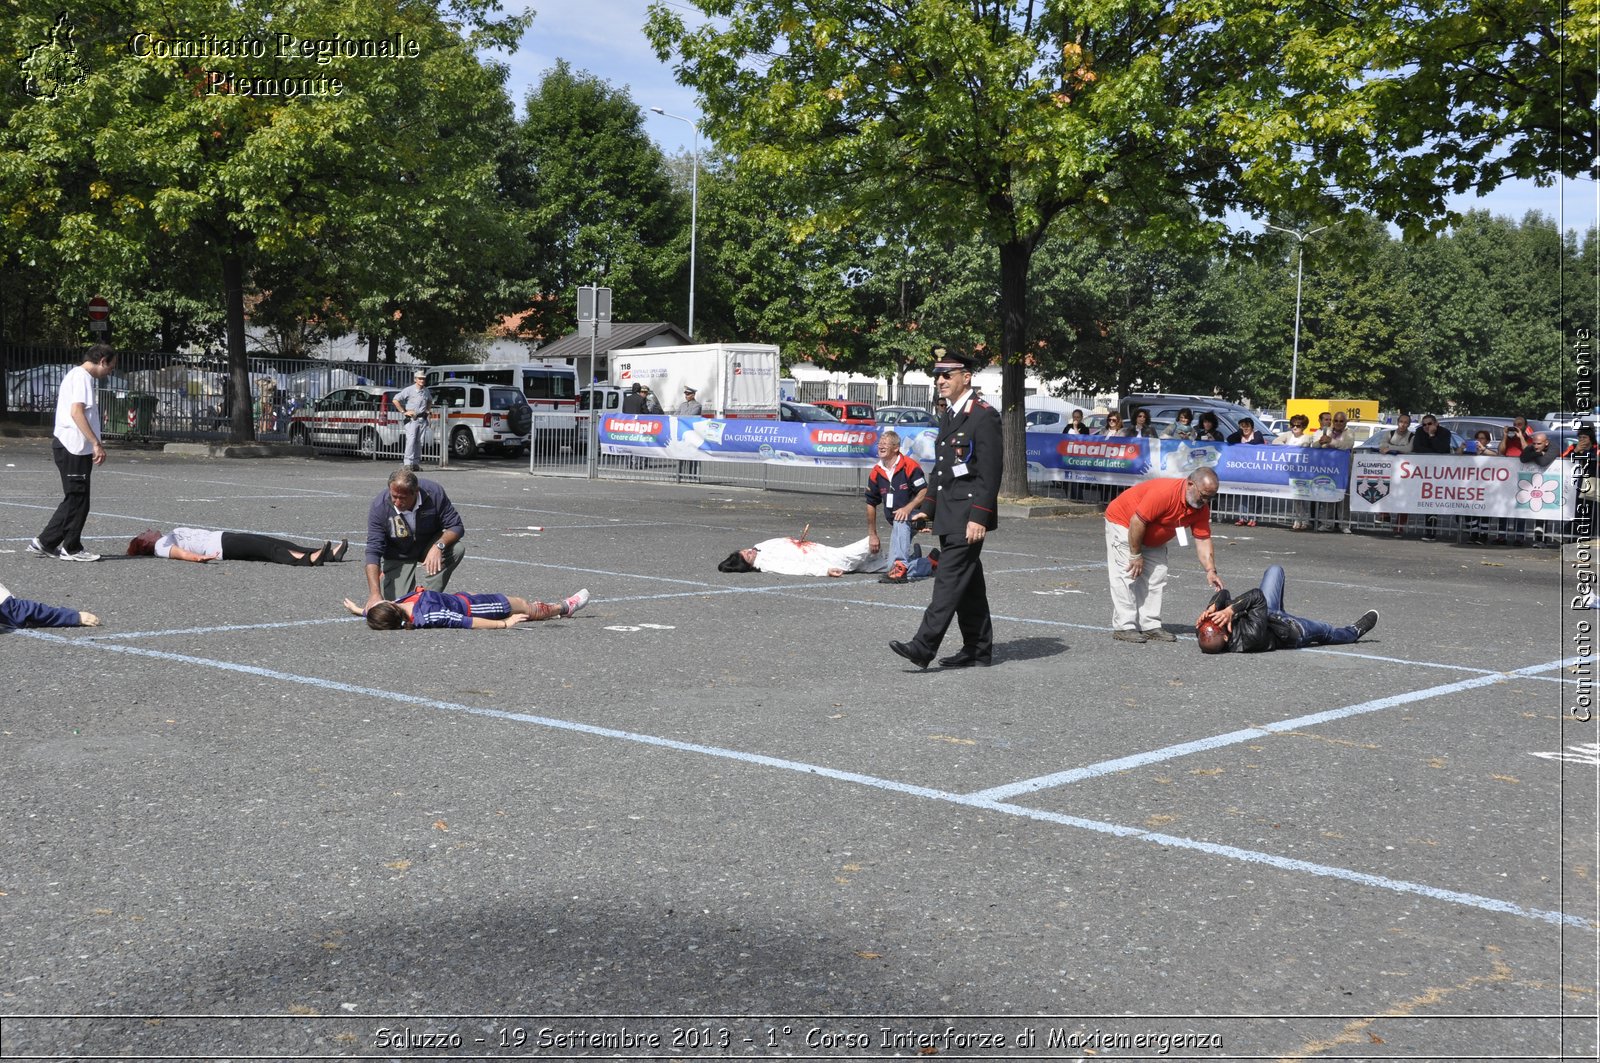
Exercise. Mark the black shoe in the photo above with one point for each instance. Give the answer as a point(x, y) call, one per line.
point(933, 556)
point(317, 557)
point(965, 659)
point(338, 551)
point(905, 650)
point(1368, 621)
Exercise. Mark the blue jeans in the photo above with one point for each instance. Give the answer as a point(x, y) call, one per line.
point(900, 549)
point(1312, 632)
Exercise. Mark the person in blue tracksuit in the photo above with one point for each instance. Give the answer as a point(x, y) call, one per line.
point(425, 608)
point(20, 612)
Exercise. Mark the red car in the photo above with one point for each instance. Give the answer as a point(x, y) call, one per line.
point(849, 412)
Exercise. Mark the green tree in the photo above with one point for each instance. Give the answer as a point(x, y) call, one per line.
point(1463, 95)
point(997, 119)
point(598, 203)
point(134, 152)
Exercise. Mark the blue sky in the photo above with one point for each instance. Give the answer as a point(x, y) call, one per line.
point(606, 38)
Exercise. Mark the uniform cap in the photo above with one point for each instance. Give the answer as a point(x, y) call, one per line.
point(945, 360)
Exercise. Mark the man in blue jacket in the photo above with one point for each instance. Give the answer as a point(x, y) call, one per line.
point(413, 538)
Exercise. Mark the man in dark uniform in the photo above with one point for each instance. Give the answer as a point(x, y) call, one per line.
point(964, 492)
point(633, 400)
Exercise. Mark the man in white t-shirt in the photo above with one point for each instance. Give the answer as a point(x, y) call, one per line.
point(77, 450)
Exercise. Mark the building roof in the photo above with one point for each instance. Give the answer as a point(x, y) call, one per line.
point(623, 334)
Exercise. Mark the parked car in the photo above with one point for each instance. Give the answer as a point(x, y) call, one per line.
point(847, 411)
point(1457, 444)
point(357, 420)
point(1163, 405)
point(493, 417)
point(906, 415)
point(1467, 427)
point(1164, 412)
point(804, 411)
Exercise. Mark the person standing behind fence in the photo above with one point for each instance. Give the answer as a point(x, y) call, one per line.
point(1431, 440)
point(269, 405)
point(413, 403)
point(1337, 436)
point(413, 538)
point(1398, 440)
point(689, 407)
point(1247, 435)
point(1297, 436)
point(76, 449)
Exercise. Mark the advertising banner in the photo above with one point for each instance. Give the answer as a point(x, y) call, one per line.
point(1088, 459)
point(1287, 472)
point(1317, 475)
point(715, 439)
point(1461, 486)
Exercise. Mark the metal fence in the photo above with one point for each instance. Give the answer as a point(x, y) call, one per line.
point(561, 448)
point(159, 396)
point(1250, 511)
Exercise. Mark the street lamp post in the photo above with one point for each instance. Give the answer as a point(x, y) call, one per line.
point(694, 204)
point(1299, 275)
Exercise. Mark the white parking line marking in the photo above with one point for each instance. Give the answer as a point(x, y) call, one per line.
point(1183, 749)
point(1167, 841)
point(1588, 753)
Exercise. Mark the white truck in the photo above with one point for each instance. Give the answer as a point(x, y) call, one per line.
point(730, 379)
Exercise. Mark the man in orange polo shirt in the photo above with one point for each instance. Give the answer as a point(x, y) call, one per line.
point(1139, 524)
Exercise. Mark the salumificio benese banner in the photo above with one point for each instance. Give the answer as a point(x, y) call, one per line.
point(1461, 485)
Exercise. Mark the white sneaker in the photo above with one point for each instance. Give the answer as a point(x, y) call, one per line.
point(5, 593)
point(37, 548)
point(81, 555)
point(576, 602)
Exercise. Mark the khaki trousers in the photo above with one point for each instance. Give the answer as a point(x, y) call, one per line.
point(1135, 603)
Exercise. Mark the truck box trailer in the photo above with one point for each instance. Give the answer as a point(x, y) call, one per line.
point(730, 379)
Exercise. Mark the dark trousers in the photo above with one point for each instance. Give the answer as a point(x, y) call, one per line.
point(959, 593)
point(248, 546)
point(65, 530)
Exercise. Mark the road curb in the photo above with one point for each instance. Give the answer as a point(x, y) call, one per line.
point(240, 450)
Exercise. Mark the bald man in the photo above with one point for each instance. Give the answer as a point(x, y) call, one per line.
point(1139, 524)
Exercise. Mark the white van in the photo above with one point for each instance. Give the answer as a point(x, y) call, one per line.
point(550, 387)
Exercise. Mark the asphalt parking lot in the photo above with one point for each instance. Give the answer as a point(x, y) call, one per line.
point(713, 815)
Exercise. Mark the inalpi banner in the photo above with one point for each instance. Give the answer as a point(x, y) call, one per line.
point(1460, 485)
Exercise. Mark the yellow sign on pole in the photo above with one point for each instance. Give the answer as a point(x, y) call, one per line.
point(1353, 409)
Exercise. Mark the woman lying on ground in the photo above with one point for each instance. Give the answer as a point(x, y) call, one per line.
point(424, 608)
point(197, 544)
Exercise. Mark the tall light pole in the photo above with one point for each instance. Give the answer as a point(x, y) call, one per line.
point(694, 203)
point(1299, 275)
